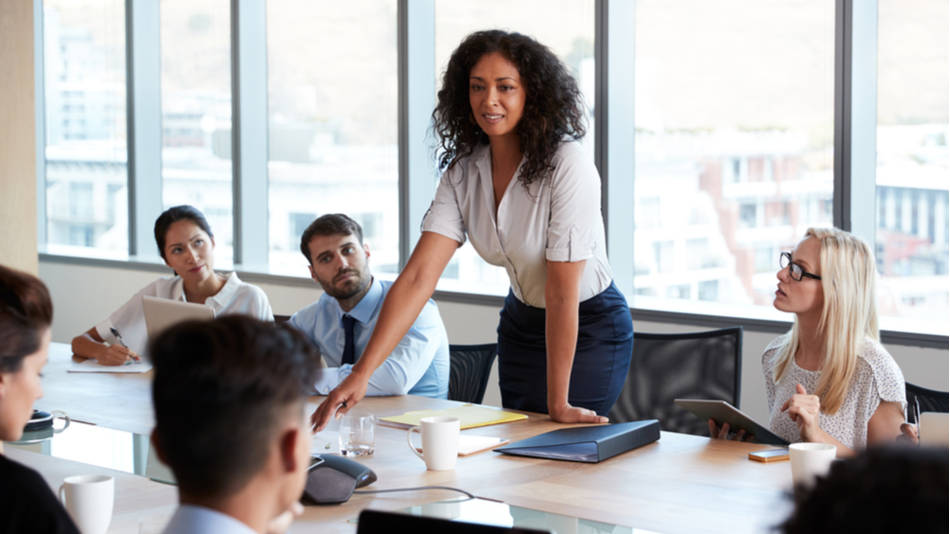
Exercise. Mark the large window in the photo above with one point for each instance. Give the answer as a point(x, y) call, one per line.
point(734, 119)
point(567, 28)
point(332, 124)
point(722, 140)
point(196, 113)
point(913, 164)
point(86, 176)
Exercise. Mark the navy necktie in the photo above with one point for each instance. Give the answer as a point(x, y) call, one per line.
point(349, 344)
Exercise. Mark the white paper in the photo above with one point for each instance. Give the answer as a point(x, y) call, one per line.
point(92, 366)
point(471, 444)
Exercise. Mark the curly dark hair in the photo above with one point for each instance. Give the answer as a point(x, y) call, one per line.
point(553, 106)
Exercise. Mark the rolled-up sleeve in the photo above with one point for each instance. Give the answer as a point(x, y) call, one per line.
point(399, 372)
point(405, 365)
point(444, 216)
point(129, 322)
point(575, 210)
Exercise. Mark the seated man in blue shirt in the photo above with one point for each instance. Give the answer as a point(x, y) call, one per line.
point(342, 320)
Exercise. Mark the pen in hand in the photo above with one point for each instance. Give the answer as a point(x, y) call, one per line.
point(118, 337)
point(910, 429)
point(917, 415)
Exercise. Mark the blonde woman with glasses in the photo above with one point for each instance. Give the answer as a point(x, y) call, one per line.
point(829, 379)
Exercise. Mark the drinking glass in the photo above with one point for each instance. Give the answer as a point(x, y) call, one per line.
point(357, 434)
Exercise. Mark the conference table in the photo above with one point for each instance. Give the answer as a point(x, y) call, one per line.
point(681, 483)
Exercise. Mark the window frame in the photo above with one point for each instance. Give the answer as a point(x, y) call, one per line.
point(855, 95)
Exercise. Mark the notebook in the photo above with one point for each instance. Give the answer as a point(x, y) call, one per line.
point(587, 443)
point(470, 416)
point(92, 366)
point(469, 444)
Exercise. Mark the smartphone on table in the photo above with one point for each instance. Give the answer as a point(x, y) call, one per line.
point(769, 455)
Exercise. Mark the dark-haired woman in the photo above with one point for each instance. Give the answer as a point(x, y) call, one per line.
point(518, 185)
point(186, 244)
point(26, 502)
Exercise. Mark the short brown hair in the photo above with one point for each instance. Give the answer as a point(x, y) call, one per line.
point(26, 311)
point(227, 380)
point(329, 224)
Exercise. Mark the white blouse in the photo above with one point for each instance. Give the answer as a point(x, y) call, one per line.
point(877, 378)
point(557, 218)
point(233, 298)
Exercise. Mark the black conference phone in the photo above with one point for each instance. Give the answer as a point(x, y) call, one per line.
point(332, 478)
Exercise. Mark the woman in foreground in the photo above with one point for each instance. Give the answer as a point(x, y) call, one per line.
point(26, 312)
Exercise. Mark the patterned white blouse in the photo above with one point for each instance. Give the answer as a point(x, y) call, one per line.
point(877, 379)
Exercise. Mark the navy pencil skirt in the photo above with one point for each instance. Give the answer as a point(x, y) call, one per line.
point(604, 349)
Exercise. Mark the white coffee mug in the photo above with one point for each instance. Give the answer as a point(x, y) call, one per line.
point(440, 442)
point(810, 460)
point(88, 499)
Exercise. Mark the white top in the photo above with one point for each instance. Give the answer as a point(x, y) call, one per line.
point(233, 298)
point(877, 378)
point(557, 219)
point(190, 519)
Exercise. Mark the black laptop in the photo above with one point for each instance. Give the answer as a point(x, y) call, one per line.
point(373, 521)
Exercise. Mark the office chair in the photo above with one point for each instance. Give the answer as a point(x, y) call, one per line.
point(470, 367)
point(281, 318)
point(930, 400)
point(663, 367)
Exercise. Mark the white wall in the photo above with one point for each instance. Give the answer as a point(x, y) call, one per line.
point(84, 295)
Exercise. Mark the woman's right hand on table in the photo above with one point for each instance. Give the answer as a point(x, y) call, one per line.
point(339, 401)
point(89, 345)
point(116, 355)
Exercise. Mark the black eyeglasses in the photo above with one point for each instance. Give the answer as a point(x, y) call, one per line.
point(794, 269)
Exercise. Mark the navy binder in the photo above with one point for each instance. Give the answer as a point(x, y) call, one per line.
point(587, 443)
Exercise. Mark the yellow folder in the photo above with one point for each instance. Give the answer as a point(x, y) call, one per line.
point(470, 416)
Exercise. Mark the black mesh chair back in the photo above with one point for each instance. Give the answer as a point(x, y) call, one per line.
point(929, 400)
point(281, 318)
point(697, 365)
point(468, 376)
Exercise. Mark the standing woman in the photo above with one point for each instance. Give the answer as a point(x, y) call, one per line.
point(186, 244)
point(26, 502)
point(519, 186)
point(829, 379)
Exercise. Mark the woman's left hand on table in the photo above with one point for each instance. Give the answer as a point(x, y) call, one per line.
point(566, 413)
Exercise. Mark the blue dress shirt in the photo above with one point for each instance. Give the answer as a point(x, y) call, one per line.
point(419, 365)
point(190, 519)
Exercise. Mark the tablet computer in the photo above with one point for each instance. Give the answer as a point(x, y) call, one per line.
point(161, 313)
point(723, 412)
